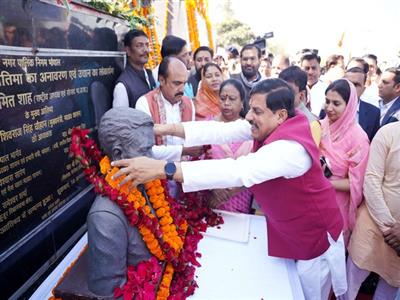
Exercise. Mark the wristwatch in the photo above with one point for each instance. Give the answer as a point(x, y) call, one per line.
point(170, 169)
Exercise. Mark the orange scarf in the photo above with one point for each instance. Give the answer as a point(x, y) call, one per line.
point(206, 103)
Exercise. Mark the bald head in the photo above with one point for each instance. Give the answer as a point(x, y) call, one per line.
point(280, 63)
point(170, 64)
point(177, 64)
point(172, 75)
point(126, 132)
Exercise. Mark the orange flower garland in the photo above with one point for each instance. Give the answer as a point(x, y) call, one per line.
point(164, 288)
point(164, 227)
point(135, 197)
point(156, 54)
point(150, 31)
point(200, 6)
point(192, 24)
point(157, 198)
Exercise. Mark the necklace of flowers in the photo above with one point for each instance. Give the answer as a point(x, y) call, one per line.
point(168, 240)
point(172, 236)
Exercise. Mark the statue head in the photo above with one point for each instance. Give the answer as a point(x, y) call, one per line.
point(125, 132)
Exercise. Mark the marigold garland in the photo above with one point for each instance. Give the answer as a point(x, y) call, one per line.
point(168, 17)
point(201, 7)
point(192, 24)
point(171, 233)
point(135, 197)
point(150, 31)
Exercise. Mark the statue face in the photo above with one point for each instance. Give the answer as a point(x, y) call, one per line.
point(140, 143)
point(125, 133)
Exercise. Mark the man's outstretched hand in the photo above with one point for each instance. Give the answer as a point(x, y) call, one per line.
point(139, 170)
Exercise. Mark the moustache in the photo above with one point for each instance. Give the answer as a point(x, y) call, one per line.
point(179, 94)
point(252, 123)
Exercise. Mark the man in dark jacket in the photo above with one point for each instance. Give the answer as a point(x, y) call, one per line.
point(368, 114)
point(389, 91)
point(135, 80)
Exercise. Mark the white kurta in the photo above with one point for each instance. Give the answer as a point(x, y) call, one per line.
point(173, 149)
point(317, 94)
point(280, 158)
point(173, 115)
point(174, 144)
point(120, 96)
point(173, 152)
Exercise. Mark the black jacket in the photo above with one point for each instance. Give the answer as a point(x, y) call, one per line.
point(135, 83)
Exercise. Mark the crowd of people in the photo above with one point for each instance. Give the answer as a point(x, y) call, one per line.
point(319, 153)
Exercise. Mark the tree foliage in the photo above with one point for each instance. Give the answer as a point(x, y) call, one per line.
point(234, 32)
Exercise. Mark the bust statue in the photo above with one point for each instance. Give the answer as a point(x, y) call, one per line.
point(113, 243)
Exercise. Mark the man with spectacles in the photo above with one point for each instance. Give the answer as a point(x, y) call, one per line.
point(135, 80)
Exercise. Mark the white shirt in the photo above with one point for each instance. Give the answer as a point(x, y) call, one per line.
point(371, 95)
point(155, 73)
point(385, 107)
point(281, 158)
point(170, 153)
point(173, 115)
point(120, 96)
point(317, 94)
point(173, 149)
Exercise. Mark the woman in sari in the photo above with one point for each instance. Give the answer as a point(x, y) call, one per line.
point(345, 146)
point(207, 98)
point(231, 97)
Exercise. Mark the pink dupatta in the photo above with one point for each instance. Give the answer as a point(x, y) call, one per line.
point(346, 146)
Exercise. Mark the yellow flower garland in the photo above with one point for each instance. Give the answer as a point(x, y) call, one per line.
point(200, 6)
